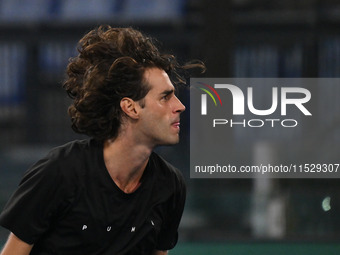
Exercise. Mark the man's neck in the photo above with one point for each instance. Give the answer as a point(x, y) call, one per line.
point(126, 161)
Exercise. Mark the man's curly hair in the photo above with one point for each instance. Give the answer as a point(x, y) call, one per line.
point(110, 65)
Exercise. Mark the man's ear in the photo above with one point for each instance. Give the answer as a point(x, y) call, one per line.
point(130, 107)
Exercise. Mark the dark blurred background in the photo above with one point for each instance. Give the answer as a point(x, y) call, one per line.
point(235, 38)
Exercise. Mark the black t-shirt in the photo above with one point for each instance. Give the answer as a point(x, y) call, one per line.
point(67, 203)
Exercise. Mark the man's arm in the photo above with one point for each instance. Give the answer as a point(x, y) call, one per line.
point(157, 252)
point(15, 246)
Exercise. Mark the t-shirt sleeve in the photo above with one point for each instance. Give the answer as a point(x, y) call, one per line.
point(168, 236)
point(30, 210)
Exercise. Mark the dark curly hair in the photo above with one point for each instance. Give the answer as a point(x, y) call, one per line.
point(110, 65)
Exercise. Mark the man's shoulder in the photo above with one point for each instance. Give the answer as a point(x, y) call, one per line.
point(166, 171)
point(63, 160)
point(71, 153)
point(72, 148)
point(169, 182)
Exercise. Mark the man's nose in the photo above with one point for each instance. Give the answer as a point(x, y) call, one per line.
point(179, 107)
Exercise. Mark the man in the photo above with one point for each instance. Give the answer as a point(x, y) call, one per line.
point(109, 194)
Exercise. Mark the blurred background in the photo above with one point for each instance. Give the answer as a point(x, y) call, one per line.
point(235, 38)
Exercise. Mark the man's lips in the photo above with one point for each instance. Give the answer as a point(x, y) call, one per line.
point(176, 124)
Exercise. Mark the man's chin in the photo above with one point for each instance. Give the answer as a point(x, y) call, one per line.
point(169, 143)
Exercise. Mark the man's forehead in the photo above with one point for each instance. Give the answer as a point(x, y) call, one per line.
point(158, 79)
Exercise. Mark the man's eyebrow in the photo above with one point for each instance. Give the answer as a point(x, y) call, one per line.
point(168, 92)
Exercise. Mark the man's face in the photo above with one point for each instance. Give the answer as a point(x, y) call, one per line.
point(160, 117)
